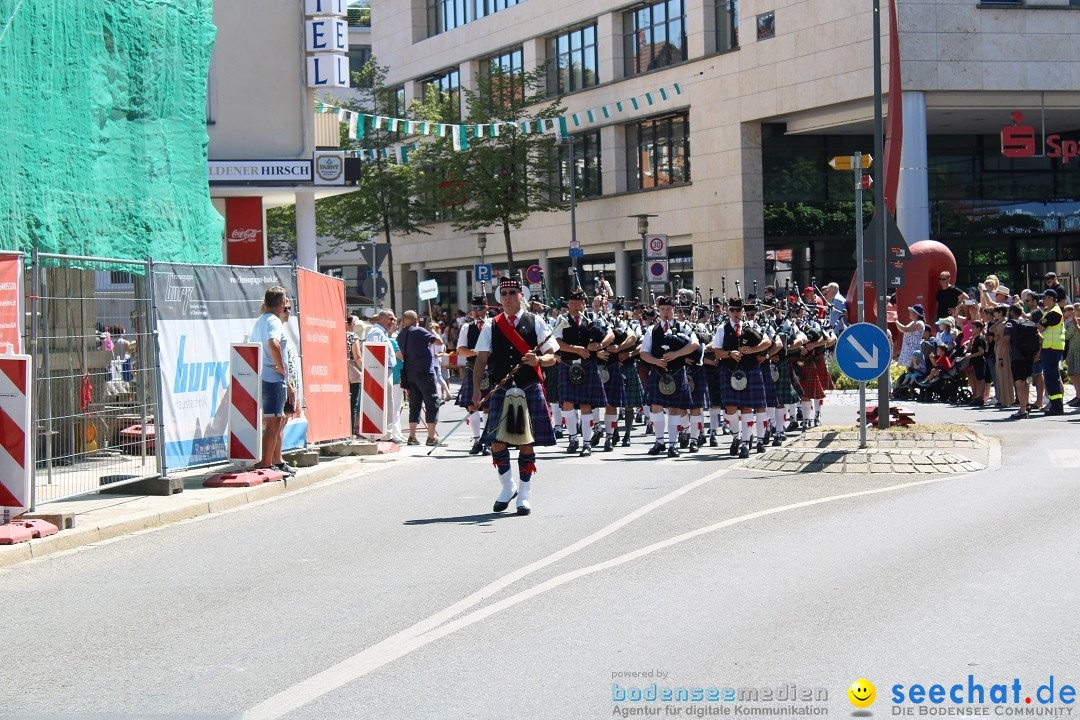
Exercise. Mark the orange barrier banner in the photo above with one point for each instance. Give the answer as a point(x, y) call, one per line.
point(322, 355)
point(11, 314)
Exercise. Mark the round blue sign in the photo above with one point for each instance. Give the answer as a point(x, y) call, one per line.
point(534, 274)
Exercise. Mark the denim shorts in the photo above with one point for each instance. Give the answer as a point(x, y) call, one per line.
point(1036, 368)
point(273, 398)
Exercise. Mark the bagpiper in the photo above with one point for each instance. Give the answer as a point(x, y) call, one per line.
point(735, 344)
point(466, 348)
point(666, 347)
point(580, 337)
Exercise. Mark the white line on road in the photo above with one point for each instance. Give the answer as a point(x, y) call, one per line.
point(428, 630)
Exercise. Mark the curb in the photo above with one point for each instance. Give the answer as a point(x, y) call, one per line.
point(83, 535)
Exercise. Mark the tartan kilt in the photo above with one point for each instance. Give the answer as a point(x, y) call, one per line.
point(615, 387)
point(754, 394)
point(539, 415)
point(551, 383)
point(590, 392)
point(464, 396)
point(814, 377)
point(716, 388)
point(769, 383)
point(679, 399)
point(785, 390)
point(700, 394)
point(635, 394)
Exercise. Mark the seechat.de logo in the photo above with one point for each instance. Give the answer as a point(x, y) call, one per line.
point(862, 693)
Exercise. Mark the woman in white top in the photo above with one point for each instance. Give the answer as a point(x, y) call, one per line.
point(913, 332)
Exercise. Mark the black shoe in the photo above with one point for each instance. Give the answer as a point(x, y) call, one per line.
point(817, 420)
point(693, 447)
point(684, 439)
point(712, 440)
point(649, 430)
point(626, 439)
point(485, 451)
point(597, 434)
point(761, 446)
point(656, 449)
point(734, 449)
point(744, 450)
point(792, 426)
point(1019, 415)
point(499, 505)
point(285, 468)
point(558, 433)
point(586, 451)
point(477, 448)
point(572, 447)
point(725, 430)
point(608, 446)
point(778, 439)
point(672, 451)
point(522, 510)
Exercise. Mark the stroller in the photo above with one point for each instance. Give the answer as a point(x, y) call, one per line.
point(950, 386)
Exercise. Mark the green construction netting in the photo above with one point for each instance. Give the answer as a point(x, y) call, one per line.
point(103, 129)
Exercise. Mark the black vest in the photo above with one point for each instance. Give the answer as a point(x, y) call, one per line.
point(572, 335)
point(731, 342)
point(658, 336)
point(472, 334)
point(504, 356)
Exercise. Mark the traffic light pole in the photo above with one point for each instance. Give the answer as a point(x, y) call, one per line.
point(879, 214)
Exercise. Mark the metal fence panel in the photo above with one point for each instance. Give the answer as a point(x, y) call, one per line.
point(96, 377)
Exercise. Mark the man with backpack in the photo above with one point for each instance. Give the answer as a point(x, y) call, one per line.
point(1023, 342)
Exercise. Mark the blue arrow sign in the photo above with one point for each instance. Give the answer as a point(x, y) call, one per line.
point(863, 352)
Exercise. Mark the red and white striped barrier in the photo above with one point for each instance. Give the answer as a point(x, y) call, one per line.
point(245, 403)
point(374, 391)
point(16, 461)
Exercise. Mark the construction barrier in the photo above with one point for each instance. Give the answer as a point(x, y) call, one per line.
point(245, 403)
point(375, 390)
point(16, 460)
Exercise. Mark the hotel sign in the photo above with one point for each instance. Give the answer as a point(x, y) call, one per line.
point(326, 40)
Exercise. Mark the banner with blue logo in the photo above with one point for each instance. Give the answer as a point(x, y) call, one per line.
point(201, 310)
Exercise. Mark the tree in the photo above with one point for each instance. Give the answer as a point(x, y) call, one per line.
point(281, 231)
point(386, 199)
point(498, 180)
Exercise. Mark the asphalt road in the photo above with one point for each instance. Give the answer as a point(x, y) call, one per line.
point(395, 593)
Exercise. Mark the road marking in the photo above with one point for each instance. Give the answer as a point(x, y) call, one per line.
point(440, 625)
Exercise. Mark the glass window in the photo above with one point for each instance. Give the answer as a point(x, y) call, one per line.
point(659, 152)
point(505, 71)
point(655, 36)
point(444, 15)
point(727, 25)
point(358, 57)
point(766, 25)
point(575, 60)
point(449, 83)
point(587, 169)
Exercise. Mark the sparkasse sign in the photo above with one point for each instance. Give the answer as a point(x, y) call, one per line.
point(1018, 141)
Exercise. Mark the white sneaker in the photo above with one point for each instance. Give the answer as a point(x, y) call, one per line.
point(398, 440)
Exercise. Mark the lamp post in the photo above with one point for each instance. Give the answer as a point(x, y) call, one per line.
point(569, 140)
point(643, 230)
point(481, 242)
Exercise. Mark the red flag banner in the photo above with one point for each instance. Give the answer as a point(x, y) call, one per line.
point(323, 360)
point(11, 296)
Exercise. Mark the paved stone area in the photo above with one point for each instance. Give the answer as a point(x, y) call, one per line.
point(894, 452)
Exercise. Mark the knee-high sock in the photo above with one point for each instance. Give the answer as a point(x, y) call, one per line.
point(613, 424)
point(733, 423)
point(695, 426)
point(747, 427)
point(779, 414)
point(808, 409)
point(586, 426)
point(658, 426)
point(715, 414)
point(762, 423)
point(817, 406)
point(570, 420)
point(526, 468)
point(792, 410)
point(501, 460)
point(673, 421)
point(556, 414)
point(476, 423)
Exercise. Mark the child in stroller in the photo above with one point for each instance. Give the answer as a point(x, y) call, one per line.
point(906, 387)
point(946, 381)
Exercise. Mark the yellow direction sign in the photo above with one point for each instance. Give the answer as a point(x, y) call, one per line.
point(847, 162)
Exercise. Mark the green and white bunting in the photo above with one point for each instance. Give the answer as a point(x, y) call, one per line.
point(359, 123)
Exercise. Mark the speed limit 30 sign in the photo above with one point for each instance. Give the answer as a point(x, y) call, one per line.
point(656, 246)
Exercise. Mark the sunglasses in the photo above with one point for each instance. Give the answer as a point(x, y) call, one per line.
point(288, 308)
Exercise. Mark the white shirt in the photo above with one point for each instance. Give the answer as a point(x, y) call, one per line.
point(463, 338)
point(646, 341)
point(542, 331)
point(378, 334)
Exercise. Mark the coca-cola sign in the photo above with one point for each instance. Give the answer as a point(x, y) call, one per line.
point(244, 239)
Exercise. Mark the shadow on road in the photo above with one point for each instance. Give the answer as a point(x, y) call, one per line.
point(462, 519)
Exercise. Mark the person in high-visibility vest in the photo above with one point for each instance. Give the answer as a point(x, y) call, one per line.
point(1052, 326)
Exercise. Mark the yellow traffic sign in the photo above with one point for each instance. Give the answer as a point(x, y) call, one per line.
point(847, 162)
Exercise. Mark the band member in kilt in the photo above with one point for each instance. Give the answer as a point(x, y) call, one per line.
point(764, 413)
point(635, 393)
point(699, 389)
point(580, 338)
point(515, 337)
point(787, 398)
point(466, 348)
point(815, 378)
point(615, 387)
point(735, 344)
point(665, 347)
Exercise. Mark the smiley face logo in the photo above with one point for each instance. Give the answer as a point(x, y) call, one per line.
point(862, 693)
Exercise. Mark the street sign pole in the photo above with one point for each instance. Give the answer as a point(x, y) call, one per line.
point(879, 207)
point(859, 251)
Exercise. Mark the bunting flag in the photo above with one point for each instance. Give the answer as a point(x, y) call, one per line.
point(559, 126)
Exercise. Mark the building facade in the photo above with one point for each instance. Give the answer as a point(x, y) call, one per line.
point(734, 169)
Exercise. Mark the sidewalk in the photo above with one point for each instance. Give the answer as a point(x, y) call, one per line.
point(99, 517)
